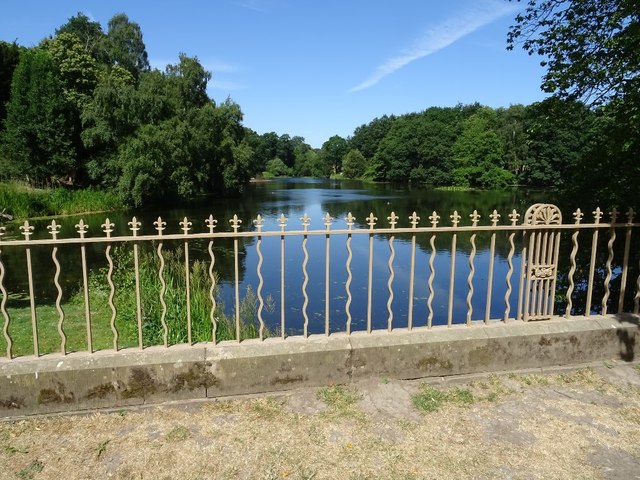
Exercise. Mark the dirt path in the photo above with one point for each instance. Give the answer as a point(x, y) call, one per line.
point(574, 424)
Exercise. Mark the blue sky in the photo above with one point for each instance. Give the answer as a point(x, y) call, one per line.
point(320, 68)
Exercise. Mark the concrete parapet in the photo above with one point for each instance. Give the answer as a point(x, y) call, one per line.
point(78, 381)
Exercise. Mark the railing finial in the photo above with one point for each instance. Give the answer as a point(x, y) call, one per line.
point(495, 216)
point(107, 227)
point(371, 221)
point(597, 215)
point(350, 221)
point(306, 220)
point(186, 225)
point(27, 230)
point(134, 226)
point(474, 218)
point(414, 218)
point(513, 216)
point(282, 221)
point(455, 218)
point(578, 215)
point(614, 214)
point(160, 225)
point(211, 223)
point(393, 220)
point(434, 217)
point(54, 229)
point(259, 223)
point(630, 214)
point(82, 227)
point(328, 220)
point(235, 223)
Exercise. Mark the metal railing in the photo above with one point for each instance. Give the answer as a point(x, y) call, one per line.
point(536, 240)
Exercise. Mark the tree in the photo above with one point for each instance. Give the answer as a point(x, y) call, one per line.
point(590, 50)
point(9, 58)
point(353, 164)
point(333, 150)
point(89, 33)
point(124, 46)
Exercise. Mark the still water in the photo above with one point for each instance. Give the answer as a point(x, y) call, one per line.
point(316, 198)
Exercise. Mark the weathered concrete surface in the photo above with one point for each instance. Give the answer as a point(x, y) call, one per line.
point(79, 381)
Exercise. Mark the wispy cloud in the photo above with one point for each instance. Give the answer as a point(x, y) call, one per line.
point(220, 67)
point(441, 36)
point(225, 85)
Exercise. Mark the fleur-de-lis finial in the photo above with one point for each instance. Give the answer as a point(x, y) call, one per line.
point(414, 219)
point(305, 221)
point(513, 216)
point(495, 216)
point(54, 229)
point(614, 214)
point(82, 227)
point(328, 220)
point(350, 221)
point(235, 223)
point(2, 232)
point(455, 218)
point(211, 223)
point(371, 221)
point(282, 221)
point(393, 220)
point(160, 225)
point(26, 229)
point(186, 225)
point(258, 223)
point(630, 215)
point(107, 227)
point(474, 218)
point(134, 226)
point(577, 216)
point(597, 215)
point(435, 218)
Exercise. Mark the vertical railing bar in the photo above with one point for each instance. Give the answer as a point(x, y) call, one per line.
point(305, 224)
point(472, 268)
point(27, 231)
point(432, 272)
point(547, 281)
point(259, 222)
point(414, 219)
point(347, 308)
point(495, 216)
point(82, 229)
point(393, 219)
point(612, 238)
point(160, 226)
point(594, 246)
point(235, 224)
point(545, 257)
point(211, 224)
point(537, 284)
point(327, 223)
point(625, 260)
point(107, 228)
point(54, 229)
point(282, 221)
point(507, 304)
point(636, 299)
point(371, 221)
point(455, 218)
point(577, 215)
point(134, 225)
point(186, 224)
point(3, 304)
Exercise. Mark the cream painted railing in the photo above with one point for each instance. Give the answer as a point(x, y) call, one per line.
point(536, 240)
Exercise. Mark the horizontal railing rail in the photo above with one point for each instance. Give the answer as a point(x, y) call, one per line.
point(533, 265)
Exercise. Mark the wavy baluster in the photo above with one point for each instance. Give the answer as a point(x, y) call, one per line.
point(258, 223)
point(577, 215)
point(305, 224)
point(607, 280)
point(350, 220)
point(54, 229)
point(107, 227)
point(186, 226)
point(507, 305)
point(393, 220)
point(472, 269)
point(495, 216)
point(211, 223)
point(625, 260)
point(636, 299)
point(3, 305)
point(434, 222)
point(160, 226)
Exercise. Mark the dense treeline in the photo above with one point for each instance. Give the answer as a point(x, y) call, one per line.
point(84, 108)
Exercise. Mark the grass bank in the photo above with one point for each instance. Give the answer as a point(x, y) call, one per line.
point(22, 201)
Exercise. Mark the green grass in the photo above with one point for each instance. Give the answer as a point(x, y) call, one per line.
point(431, 399)
point(126, 322)
point(22, 201)
point(342, 401)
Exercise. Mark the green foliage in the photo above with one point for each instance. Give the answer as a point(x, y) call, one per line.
point(431, 399)
point(277, 168)
point(333, 150)
point(9, 58)
point(353, 164)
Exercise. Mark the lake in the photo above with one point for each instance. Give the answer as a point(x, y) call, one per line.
point(316, 198)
